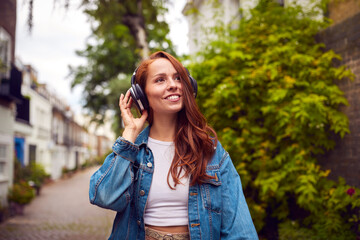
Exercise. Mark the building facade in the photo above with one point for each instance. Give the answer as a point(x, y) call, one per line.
point(99, 139)
point(344, 38)
point(51, 136)
point(202, 15)
point(36, 144)
point(10, 94)
point(35, 125)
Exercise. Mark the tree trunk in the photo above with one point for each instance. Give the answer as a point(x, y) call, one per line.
point(135, 23)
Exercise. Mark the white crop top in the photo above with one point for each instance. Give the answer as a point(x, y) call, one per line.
point(165, 207)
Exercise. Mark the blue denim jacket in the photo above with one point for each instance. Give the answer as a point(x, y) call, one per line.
point(216, 209)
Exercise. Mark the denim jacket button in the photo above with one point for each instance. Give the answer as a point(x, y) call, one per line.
point(142, 193)
point(138, 222)
point(149, 164)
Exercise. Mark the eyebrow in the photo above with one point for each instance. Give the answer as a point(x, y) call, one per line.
point(164, 74)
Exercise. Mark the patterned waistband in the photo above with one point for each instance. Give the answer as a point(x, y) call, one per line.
point(159, 235)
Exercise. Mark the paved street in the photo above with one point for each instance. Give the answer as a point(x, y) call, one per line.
point(62, 211)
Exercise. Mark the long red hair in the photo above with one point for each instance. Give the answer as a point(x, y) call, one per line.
point(195, 140)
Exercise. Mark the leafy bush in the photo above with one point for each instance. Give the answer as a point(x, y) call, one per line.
point(33, 172)
point(268, 88)
point(21, 193)
point(38, 174)
point(21, 173)
point(65, 171)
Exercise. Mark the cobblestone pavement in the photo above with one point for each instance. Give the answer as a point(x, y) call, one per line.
point(62, 211)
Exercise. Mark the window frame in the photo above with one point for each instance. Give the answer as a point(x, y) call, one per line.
point(5, 56)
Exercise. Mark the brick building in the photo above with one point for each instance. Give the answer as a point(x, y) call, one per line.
point(344, 38)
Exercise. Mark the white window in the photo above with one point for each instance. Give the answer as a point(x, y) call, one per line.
point(5, 54)
point(3, 159)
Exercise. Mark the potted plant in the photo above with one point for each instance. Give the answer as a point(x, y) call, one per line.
point(19, 195)
point(37, 176)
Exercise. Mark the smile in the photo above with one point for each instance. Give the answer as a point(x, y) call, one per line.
point(173, 97)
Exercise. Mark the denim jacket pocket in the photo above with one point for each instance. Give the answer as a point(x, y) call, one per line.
point(211, 192)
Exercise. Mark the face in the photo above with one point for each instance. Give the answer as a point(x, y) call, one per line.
point(163, 87)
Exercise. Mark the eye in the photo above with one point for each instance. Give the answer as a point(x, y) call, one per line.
point(177, 78)
point(160, 79)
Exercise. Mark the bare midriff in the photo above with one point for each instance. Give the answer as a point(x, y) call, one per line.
point(170, 229)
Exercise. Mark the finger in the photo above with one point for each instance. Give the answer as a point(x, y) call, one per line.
point(121, 98)
point(144, 115)
point(128, 105)
point(122, 104)
point(127, 96)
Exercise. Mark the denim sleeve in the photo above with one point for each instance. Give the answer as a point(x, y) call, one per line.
point(236, 222)
point(110, 186)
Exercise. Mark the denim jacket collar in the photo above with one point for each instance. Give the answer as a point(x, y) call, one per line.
point(143, 137)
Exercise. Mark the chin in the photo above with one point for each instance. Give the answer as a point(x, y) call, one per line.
point(174, 110)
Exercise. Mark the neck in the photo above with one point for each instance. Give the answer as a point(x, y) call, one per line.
point(163, 128)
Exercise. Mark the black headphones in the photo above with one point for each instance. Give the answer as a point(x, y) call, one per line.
point(139, 98)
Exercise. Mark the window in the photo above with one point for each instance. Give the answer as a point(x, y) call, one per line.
point(3, 154)
point(2, 169)
point(3, 158)
point(5, 54)
point(32, 153)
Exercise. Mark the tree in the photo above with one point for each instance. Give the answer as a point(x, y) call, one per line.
point(269, 89)
point(30, 4)
point(123, 33)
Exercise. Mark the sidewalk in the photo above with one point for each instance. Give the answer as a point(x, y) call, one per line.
point(62, 211)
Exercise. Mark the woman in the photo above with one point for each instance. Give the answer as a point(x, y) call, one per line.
point(173, 180)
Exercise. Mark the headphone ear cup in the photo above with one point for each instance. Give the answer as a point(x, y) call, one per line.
point(194, 85)
point(192, 82)
point(134, 97)
point(137, 94)
point(141, 97)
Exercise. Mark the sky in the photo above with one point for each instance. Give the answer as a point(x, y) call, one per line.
point(56, 35)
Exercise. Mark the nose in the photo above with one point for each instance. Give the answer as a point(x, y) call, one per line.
point(172, 84)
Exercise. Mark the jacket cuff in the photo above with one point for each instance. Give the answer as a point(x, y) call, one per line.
point(125, 149)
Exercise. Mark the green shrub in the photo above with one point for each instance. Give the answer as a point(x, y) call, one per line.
point(38, 174)
point(64, 170)
point(268, 88)
point(21, 193)
point(33, 172)
point(21, 173)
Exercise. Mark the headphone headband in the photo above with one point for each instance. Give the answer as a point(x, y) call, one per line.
point(133, 77)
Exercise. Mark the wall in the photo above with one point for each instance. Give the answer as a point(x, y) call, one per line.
point(339, 11)
point(8, 21)
point(40, 120)
point(344, 38)
point(7, 108)
point(205, 17)
point(6, 151)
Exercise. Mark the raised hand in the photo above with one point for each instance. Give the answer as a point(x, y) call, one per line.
point(132, 125)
